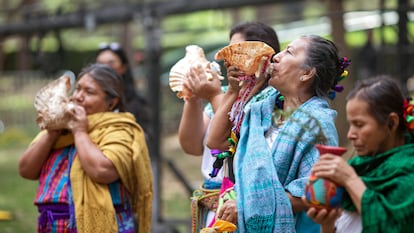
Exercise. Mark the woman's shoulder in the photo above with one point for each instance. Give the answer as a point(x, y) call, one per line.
point(267, 92)
point(317, 106)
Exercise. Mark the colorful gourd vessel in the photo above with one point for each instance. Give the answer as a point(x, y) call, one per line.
point(323, 193)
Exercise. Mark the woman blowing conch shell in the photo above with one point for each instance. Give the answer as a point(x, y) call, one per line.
point(94, 176)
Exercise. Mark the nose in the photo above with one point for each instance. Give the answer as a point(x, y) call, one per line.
point(351, 134)
point(276, 58)
point(76, 97)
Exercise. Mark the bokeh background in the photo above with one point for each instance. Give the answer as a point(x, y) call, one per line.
point(41, 39)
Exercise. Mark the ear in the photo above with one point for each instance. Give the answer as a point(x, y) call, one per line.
point(393, 121)
point(113, 103)
point(309, 74)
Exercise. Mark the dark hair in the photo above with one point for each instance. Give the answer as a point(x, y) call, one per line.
point(134, 102)
point(115, 48)
point(383, 96)
point(110, 82)
point(322, 54)
point(257, 31)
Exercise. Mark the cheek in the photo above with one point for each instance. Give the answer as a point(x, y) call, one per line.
point(94, 105)
point(373, 139)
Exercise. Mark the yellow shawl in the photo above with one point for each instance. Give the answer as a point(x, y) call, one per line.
point(123, 142)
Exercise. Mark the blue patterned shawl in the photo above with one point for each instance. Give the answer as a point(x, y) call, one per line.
point(263, 174)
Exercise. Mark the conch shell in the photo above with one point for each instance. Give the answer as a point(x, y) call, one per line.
point(252, 57)
point(52, 103)
point(194, 56)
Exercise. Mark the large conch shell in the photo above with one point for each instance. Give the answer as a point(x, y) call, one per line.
point(52, 103)
point(252, 57)
point(194, 56)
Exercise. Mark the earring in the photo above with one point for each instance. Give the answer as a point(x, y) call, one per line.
point(301, 78)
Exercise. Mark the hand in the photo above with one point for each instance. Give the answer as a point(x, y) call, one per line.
point(326, 218)
point(79, 120)
point(54, 133)
point(228, 212)
point(334, 168)
point(233, 76)
point(200, 85)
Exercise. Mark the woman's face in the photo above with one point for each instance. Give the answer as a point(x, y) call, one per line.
point(90, 96)
point(287, 66)
point(237, 38)
point(110, 58)
point(366, 135)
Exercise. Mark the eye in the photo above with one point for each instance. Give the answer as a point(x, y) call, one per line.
point(358, 124)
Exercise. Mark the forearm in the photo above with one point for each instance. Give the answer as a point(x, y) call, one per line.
point(220, 125)
point(355, 188)
point(192, 127)
point(31, 161)
point(94, 162)
point(216, 101)
point(297, 203)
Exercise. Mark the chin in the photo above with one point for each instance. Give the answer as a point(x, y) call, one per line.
point(363, 153)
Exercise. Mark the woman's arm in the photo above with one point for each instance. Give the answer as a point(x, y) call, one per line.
point(192, 128)
point(297, 203)
point(31, 162)
point(220, 125)
point(96, 165)
point(194, 121)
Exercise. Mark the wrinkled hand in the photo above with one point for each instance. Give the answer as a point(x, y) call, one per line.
point(233, 76)
point(334, 168)
point(326, 218)
point(79, 120)
point(199, 84)
point(228, 211)
point(54, 133)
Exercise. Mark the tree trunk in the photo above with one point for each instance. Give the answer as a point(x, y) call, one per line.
point(335, 12)
point(404, 58)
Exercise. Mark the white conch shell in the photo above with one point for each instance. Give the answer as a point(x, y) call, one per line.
point(52, 103)
point(194, 56)
point(252, 57)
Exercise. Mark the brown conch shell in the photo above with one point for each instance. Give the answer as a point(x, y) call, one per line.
point(52, 103)
point(194, 56)
point(252, 57)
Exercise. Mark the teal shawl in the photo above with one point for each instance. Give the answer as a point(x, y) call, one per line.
point(387, 204)
point(263, 174)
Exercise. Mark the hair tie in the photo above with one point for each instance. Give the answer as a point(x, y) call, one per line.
point(343, 64)
point(408, 114)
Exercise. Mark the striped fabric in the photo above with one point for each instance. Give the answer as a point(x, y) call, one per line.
point(53, 178)
point(54, 188)
point(264, 174)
